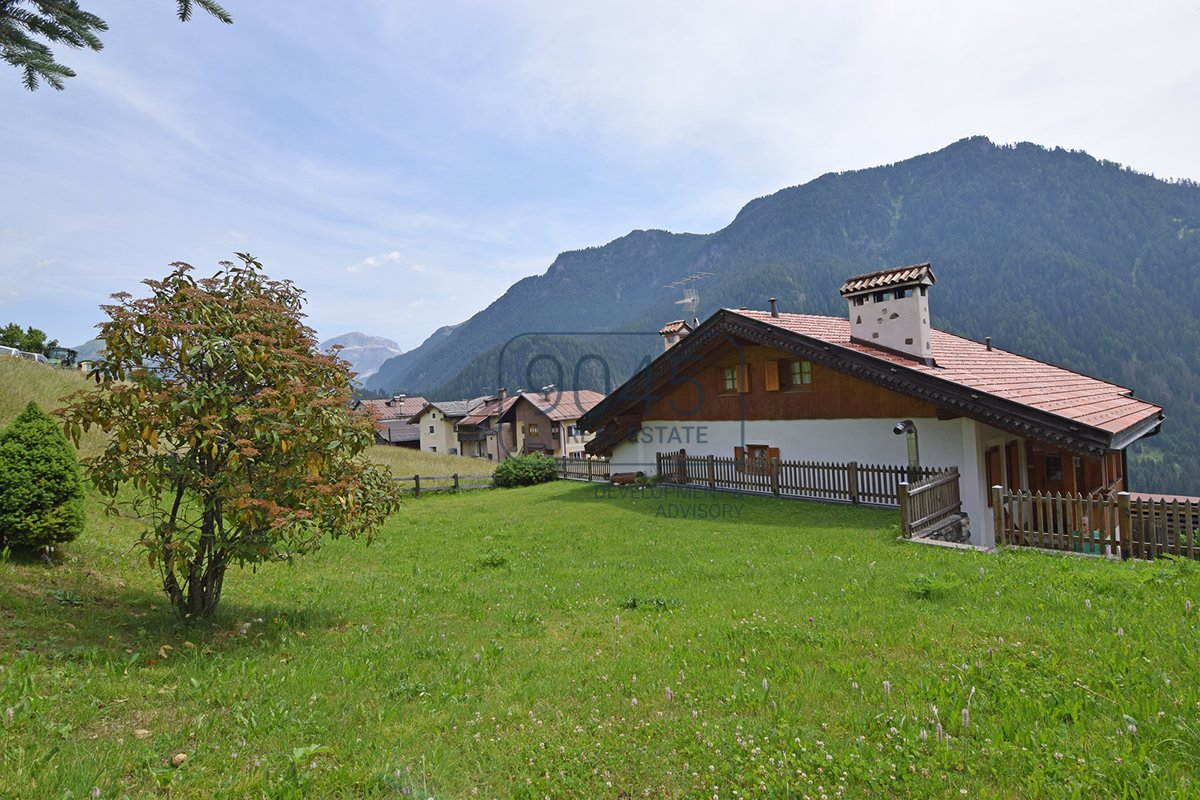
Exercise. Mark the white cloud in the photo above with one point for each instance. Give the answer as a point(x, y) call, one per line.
point(375, 262)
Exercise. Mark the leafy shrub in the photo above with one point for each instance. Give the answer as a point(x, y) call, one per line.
point(41, 487)
point(525, 471)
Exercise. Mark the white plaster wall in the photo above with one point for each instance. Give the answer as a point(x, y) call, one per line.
point(943, 443)
point(443, 437)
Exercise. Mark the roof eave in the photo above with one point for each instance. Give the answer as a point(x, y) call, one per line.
point(1147, 427)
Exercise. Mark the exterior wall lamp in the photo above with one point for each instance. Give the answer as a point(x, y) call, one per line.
point(909, 428)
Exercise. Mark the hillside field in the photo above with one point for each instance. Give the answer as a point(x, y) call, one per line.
point(569, 640)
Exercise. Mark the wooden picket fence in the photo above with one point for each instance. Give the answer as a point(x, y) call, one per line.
point(867, 484)
point(584, 469)
point(1116, 526)
point(443, 483)
point(930, 505)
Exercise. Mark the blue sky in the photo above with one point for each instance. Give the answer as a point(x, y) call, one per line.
point(405, 163)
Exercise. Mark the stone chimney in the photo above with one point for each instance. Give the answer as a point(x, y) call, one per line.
point(890, 310)
point(672, 332)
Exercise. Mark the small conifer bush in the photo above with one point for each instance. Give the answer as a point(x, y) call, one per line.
point(525, 471)
point(41, 486)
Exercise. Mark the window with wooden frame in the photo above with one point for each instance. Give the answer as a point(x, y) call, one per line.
point(755, 458)
point(799, 373)
point(733, 379)
point(533, 429)
point(1054, 471)
point(787, 375)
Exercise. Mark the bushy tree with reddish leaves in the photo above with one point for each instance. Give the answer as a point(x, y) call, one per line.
point(231, 426)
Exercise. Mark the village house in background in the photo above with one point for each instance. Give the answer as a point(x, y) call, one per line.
point(436, 423)
point(547, 421)
point(497, 427)
point(481, 433)
point(879, 386)
point(393, 419)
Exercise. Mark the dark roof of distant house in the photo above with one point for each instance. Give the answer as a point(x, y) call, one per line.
point(491, 407)
point(397, 430)
point(914, 273)
point(452, 409)
point(1003, 389)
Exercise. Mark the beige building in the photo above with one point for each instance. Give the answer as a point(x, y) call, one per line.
point(436, 422)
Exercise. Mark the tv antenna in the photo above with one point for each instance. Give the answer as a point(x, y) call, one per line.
point(691, 297)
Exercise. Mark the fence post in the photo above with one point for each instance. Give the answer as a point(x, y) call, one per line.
point(998, 534)
point(773, 465)
point(852, 481)
point(416, 485)
point(683, 476)
point(902, 492)
point(1125, 521)
point(455, 476)
point(589, 463)
point(712, 471)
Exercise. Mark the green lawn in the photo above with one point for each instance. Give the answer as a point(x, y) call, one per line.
point(556, 642)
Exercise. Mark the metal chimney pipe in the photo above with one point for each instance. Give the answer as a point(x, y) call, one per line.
point(988, 341)
point(775, 307)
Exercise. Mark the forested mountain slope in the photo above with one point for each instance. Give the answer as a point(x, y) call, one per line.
point(1052, 253)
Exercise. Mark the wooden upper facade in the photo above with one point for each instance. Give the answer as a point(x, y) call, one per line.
point(740, 365)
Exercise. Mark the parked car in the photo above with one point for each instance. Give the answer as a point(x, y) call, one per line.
point(5, 350)
point(38, 357)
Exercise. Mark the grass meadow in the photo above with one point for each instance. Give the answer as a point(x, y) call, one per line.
point(569, 640)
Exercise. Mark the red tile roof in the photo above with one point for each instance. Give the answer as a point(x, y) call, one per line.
point(387, 409)
point(889, 277)
point(570, 404)
point(999, 373)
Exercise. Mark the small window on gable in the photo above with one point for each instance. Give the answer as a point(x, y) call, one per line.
point(879, 297)
point(900, 294)
point(729, 379)
point(533, 429)
point(799, 373)
point(859, 300)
